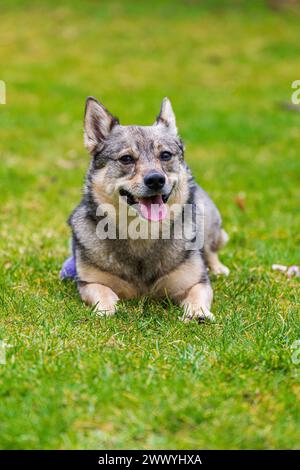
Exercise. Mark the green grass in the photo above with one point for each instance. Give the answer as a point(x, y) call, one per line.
point(143, 379)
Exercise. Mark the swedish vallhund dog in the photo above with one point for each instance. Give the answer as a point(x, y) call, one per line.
point(142, 169)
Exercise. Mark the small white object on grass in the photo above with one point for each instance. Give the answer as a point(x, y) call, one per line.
point(290, 271)
point(293, 271)
point(279, 267)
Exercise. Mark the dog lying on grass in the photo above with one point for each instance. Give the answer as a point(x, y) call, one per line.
point(140, 171)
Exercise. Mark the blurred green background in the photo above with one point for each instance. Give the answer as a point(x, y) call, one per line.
point(143, 379)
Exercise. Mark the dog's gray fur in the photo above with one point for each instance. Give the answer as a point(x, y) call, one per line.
point(111, 269)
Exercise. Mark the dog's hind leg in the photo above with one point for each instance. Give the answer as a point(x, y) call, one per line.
point(211, 255)
point(101, 297)
point(215, 264)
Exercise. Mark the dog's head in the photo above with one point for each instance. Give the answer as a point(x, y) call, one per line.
point(142, 164)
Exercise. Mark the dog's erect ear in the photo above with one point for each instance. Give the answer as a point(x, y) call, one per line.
point(166, 116)
point(98, 123)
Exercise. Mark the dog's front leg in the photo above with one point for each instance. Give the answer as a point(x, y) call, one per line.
point(101, 297)
point(197, 303)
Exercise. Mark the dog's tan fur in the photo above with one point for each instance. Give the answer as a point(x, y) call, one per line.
point(93, 275)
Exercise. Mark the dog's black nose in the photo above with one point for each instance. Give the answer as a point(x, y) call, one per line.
point(154, 180)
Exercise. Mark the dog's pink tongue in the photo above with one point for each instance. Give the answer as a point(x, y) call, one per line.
point(153, 208)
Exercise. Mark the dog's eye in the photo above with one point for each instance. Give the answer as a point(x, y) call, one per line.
point(165, 156)
point(126, 159)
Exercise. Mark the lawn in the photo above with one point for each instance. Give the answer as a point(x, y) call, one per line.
point(143, 379)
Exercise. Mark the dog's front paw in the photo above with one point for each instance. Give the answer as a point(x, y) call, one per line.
point(102, 298)
point(197, 312)
point(104, 310)
point(106, 306)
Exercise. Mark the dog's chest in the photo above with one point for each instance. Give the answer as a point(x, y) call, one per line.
point(142, 262)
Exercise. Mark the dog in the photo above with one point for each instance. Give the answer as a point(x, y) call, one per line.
point(142, 169)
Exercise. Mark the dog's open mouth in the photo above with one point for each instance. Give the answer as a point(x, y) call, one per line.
point(151, 208)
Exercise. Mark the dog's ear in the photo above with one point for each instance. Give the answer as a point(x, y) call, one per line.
point(166, 116)
point(98, 123)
